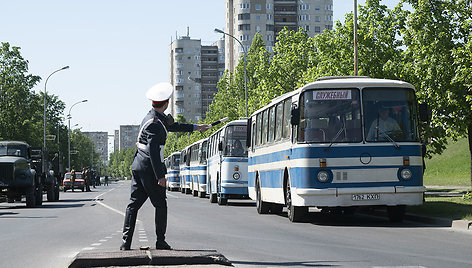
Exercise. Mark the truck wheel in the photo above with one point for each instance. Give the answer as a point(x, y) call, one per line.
point(219, 196)
point(30, 198)
point(50, 193)
point(212, 195)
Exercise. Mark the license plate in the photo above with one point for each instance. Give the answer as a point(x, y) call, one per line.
point(360, 197)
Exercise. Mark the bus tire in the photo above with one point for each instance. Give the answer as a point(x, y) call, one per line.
point(262, 207)
point(212, 195)
point(396, 213)
point(294, 213)
point(221, 201)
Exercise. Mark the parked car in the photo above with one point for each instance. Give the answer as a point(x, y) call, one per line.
point(79, 182)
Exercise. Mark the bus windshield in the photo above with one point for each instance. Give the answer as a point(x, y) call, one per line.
point(175, 161)
point(330, 115)
point(390, 114)
point(235, 140)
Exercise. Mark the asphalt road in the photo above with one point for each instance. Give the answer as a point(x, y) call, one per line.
point(50, 236)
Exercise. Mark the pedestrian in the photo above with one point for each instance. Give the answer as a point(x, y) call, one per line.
point(72, 178)
point(106, 180)
point(94, 179)
point(86, 175)
point(148, 169)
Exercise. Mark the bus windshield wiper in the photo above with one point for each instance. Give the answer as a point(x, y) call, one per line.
point(336, 137)
point(390, 139)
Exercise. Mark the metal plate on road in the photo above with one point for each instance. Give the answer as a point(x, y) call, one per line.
point(361, 197)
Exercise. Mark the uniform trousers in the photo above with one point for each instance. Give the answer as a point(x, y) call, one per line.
point(143, 185)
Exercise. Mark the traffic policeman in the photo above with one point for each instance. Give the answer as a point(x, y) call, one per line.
point(148, 167)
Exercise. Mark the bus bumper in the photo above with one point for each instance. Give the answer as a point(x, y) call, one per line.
point(366, 196)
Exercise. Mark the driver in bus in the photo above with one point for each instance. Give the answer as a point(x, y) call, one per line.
point(237, 148)
point(382, 125)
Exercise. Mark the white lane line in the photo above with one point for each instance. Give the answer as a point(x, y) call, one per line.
point(96, 244)
point(171, 195)
point(88, 248)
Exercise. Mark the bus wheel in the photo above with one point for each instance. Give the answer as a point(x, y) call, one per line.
point(212, 195)
point(396, 213)
point(295, 213)
point(221, 201)
point(262, 207)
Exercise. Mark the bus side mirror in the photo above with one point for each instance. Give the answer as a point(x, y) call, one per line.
point(425, 114)
point(295, 116)
point(220, 146)
point(248, 134)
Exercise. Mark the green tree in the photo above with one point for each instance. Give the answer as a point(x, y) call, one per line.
point(438, 61)
point(18, 105)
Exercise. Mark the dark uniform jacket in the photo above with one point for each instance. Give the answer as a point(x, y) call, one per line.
point(151, 141)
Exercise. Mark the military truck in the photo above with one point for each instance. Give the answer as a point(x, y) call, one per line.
point(49, 179)
point(17, 176)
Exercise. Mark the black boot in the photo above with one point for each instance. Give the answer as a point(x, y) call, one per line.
point(161, 226)
point(128, 229)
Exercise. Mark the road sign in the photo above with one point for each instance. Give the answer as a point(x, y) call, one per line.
point(50, 137)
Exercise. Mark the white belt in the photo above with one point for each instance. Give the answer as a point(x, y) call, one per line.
point(144, 148)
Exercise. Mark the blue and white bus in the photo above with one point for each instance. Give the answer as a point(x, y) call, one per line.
point(198, 168)
point(227, 163)
point(337, 143)
point(184, 174)
point(172, 163)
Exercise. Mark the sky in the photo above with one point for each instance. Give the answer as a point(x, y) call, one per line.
point(116, 49)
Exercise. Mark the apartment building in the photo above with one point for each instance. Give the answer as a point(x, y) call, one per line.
point(194, 73)
point(126, 136)
point(244, 18)
point(100, 143)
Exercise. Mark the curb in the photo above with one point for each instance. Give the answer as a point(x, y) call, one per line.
point(148, 257)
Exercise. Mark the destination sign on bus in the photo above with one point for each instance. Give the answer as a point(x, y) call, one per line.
point(332, 95)
point(240, 128)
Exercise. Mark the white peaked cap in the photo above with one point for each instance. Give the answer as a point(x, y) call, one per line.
point(160, 92)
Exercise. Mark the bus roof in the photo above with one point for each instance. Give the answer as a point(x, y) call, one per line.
point(341, 82)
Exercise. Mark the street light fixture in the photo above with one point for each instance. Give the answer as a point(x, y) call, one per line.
point(68, 132)
point(44, 117)
point(245, 55)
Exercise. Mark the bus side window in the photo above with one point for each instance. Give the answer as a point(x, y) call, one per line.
point(271, 124)
point(278, 121)
point(265, 129)
point(286, 119)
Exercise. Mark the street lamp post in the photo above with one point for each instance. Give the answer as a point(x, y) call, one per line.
point(244, 50)
point(68, 132)
point(356, 67)
point(44, 116)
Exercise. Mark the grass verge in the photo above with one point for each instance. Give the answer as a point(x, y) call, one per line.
point(452, 207)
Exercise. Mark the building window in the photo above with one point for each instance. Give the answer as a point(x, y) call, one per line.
point(244, 6)
point(258, 28)
point(244, 27)
point(329, 17)
point(258, 7)
point(270, 49)
point(328, 27)
point(270, 38)
point(306, 27)
point(244, 37)
point(258, 18)
point(329, 7)
point(317, 8)
point(269, 16)
point(268, 6)
point(304, 17)
point(179, 50)
point(269, 27)
point(304, 7)
point(317, 29)
point(317, 19)
point(244, 16)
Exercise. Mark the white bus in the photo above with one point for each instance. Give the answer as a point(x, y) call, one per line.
point(172, 163)
point(198, 167)
point(337, 144)
point(184, 174)
point(227, 163)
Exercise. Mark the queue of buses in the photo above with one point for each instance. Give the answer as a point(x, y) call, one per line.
point(336, 144)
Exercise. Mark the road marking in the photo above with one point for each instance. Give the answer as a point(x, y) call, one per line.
point(174, 196)
point(88, 248)
point(96, 244)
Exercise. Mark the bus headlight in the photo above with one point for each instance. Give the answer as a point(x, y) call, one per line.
point(405, 174)
point(236, 175)
point(323, 176)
